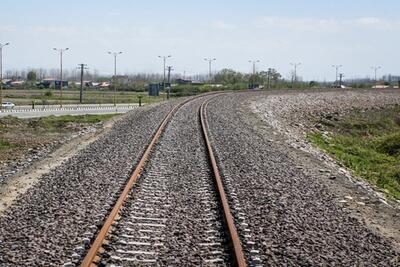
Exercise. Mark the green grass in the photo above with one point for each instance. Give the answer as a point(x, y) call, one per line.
point(59, 122)
point(26, 96)
point(4, 144)
point(368, 143)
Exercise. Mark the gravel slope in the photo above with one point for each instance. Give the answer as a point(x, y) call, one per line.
point(294, 112)
point(56, 217)
point(292, 218)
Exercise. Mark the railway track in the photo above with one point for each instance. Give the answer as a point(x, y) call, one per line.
point(174, 210)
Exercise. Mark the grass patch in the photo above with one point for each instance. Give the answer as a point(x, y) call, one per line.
point(70, 96)
point(19, 137)
point(368, 143)
point(60, 122)
point(4, 144)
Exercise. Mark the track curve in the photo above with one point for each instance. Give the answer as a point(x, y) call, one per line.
point(209, 177)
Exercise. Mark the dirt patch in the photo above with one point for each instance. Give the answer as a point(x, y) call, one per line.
point(21, 181)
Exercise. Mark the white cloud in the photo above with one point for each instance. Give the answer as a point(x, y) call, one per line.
point(52, 29)
point(376, 23)
point(7, 28)
point(304, 24)
point(326, 25)
point(222, 25)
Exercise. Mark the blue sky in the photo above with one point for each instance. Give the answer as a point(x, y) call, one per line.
point(356, 34)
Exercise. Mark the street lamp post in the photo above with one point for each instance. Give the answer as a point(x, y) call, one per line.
point(337, 71)
point(164, 58)
point(295, 65)
point(375, 68)
point(114, 54)
point(61, 51)
point(209, 60)
point(254, 65)
point(1, 74)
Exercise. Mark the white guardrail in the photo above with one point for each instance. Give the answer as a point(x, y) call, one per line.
point(40, 108)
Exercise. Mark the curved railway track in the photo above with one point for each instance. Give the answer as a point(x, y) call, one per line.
point(174, 209)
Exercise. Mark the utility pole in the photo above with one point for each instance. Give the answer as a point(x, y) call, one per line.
point(337, 71)
point(1, 74)
point(375, 68)
point(254, 65)
point(169, 68)
point(164, 58)
point(294, 80)
point(169, 83)
point(209, 60)
point(82, 67)
point(61, 51)
point(340, 79)
point(269, 72)
point(115, 54)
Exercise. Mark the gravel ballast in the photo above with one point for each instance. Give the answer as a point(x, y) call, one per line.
point(173, 216)
point(292, 219)
point(57, 217)
point(285, 215)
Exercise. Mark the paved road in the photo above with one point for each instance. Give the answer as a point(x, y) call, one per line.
point(67, 110)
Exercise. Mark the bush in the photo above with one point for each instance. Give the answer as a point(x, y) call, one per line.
point(48, 94)
point(389, 144)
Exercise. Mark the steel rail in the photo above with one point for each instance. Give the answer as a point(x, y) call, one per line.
point(239, 258)
point(92, 255)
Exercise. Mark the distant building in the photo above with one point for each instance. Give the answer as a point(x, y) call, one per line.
point(154, 89)
point(380, 86)
point(16, 83)
point(51, 82)
point(183, 81)
point(104, 85)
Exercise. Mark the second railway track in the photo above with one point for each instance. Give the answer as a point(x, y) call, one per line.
point(177, 213)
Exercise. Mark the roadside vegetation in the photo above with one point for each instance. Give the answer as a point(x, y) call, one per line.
point(71, 96)
point(368, 142)
point(29, 89)
point(18, 137)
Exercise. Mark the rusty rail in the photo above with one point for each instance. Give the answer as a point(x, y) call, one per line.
point(239, 258)
point(92, 258)
point(92, 254)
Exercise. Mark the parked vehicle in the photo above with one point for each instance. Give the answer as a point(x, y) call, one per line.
point(8, 105)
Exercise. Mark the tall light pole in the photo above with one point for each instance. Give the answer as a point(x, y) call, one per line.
point(209, 60)
point(254, 65)
point(295, 65)
point(1, 73)
point(164, 58)
point(61, 51)
point(337, 67)
point(375, 68)
point(115, 54)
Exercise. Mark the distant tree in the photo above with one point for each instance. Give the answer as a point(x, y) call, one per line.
point(228, 76)
point(271, 76)
point(31, 76)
